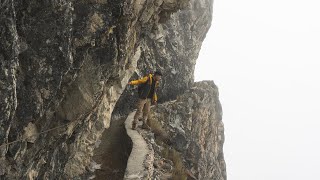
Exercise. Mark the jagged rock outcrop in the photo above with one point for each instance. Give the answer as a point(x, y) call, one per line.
point(186, 138)
point(194, 124)
point(64, 64)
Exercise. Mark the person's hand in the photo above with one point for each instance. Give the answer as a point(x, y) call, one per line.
point(155, 103)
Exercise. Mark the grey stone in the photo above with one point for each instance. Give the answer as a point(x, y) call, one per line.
point(202, 143)
point(64, 68)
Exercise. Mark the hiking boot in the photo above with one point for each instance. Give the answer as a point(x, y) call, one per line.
point(145, 126)
point(134, 124)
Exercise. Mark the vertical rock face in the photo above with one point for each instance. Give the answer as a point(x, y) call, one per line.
point(65, 63)
point(63, 66)
point(193, 123)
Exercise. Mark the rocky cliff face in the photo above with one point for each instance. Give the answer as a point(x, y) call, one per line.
point(64, 65)
point(193, 123)
point(185, 140)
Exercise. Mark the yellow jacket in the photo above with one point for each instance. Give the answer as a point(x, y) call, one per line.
point(147, 80)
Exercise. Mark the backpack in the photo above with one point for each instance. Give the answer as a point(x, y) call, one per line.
point(141, 86)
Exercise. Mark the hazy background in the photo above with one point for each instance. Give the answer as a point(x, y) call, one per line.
point(265, 58)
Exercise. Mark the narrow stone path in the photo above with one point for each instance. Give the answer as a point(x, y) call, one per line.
point(140, 160)
point(123, 153)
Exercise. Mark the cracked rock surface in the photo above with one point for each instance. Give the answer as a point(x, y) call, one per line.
point(64, 68)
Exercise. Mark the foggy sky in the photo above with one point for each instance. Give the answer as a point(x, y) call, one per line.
point(264, 56)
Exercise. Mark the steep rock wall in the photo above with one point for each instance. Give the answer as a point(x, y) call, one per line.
point(64, 65)
point(195, 129)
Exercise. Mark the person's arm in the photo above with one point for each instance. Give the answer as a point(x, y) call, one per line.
point(155, 98)
point(139, 81)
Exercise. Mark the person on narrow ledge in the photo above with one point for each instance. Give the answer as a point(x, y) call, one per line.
point(147, 96)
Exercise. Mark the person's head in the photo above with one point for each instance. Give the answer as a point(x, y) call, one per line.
point(157, 75)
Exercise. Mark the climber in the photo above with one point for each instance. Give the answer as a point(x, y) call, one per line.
point(147, 95)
